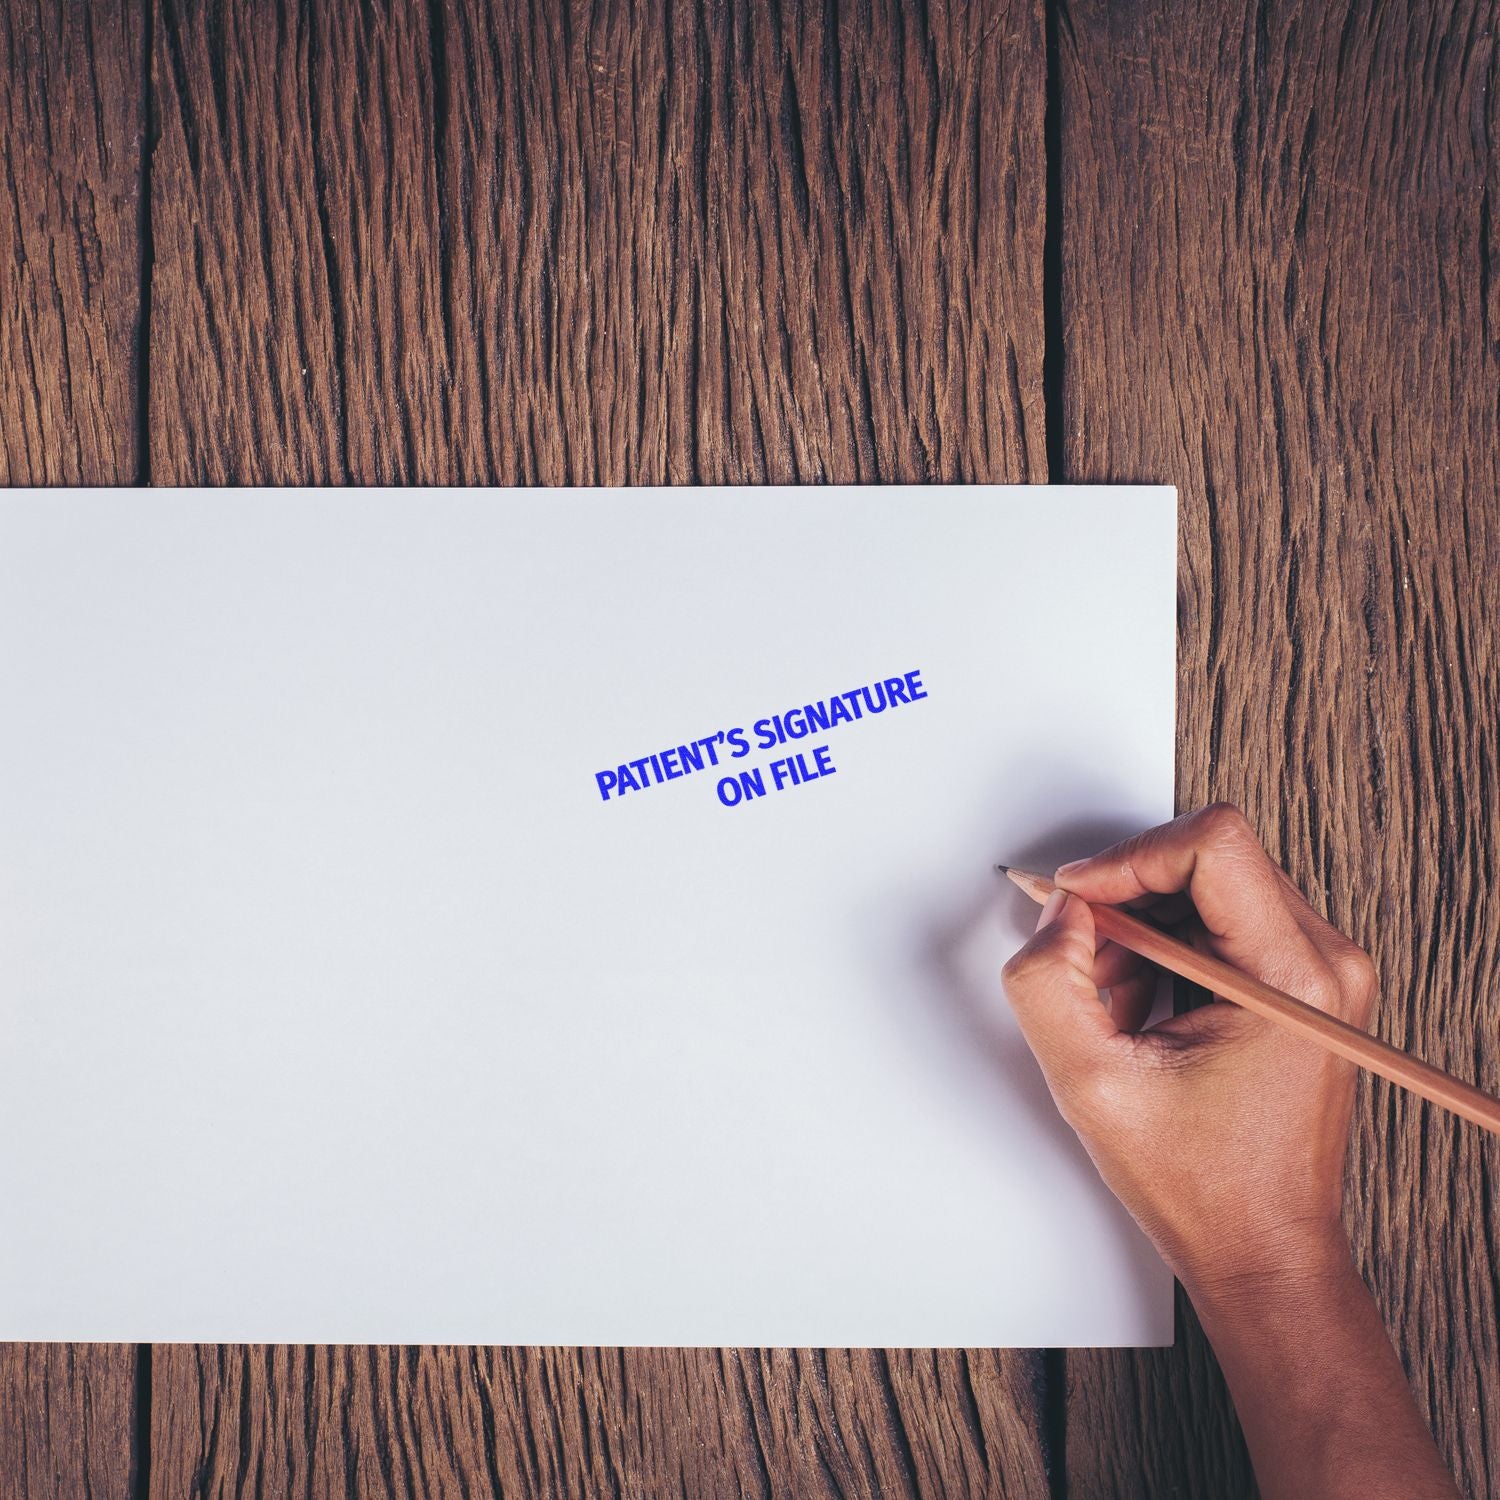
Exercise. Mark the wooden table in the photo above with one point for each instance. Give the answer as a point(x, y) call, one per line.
point(1253, 250)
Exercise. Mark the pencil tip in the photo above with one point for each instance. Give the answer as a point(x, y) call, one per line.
point(1003, 869)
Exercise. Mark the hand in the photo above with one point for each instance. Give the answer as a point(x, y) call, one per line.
point(1221, 1133)
point(1224, 1135)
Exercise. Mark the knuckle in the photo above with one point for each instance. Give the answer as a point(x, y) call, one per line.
point(1322, 989)
point(1127, 864)
point(1227, 824)
point(1356, 972)
point(1023, 967)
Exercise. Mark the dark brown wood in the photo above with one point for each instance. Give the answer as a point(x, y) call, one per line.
point(68, 1420)
point(1280, 292)
point(598, 244)
point(546, 1422)
point(72, 117)
point(602, 245)
point(71, 128)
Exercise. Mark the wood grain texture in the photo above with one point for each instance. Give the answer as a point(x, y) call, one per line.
point(596, 244)
point(548, 1422)
point(1280, 292)
point(71, 120)
point(68, 1421)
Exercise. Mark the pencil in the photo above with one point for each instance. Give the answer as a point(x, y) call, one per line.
point(1382, 1059)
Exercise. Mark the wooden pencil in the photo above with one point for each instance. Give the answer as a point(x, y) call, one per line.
point(1306, 1020)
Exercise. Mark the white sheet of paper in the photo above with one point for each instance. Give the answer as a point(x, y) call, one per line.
point(337, 1004)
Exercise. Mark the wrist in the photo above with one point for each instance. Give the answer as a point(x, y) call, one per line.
point(1285, 1269)
point(1320, 1393)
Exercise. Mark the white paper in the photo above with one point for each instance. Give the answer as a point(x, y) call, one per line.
point(336, 1003)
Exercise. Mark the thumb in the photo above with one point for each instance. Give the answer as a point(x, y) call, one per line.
point(1051, 988)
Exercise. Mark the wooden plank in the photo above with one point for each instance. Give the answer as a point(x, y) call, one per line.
point(431, 245)
point(1280, 293)
point(598, 245)
point(72, 116)
point(750, 248)
point(68, 1420)
point(72, 120)
point(544, 1422)
point(245, 380)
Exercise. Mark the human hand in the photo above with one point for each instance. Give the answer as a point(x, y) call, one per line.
point(1221, 1133)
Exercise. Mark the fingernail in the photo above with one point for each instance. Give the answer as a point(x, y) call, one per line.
point(1051, 907)
point(1071, 868)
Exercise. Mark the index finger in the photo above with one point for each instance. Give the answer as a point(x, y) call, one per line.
point(1240, 895)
